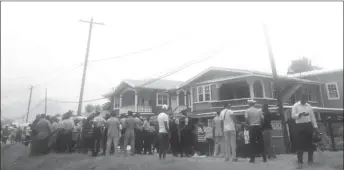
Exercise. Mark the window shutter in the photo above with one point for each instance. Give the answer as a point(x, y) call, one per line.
point(194, 94)
point(213, 91)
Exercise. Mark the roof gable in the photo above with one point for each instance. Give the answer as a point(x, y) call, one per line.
point(161, 84)
point(217, 72)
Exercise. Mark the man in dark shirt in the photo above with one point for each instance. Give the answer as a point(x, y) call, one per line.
point(87, 130)
point(267, 128)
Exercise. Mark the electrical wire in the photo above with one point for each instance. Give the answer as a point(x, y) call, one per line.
point(182, 67)
point(59, 75)
point(85, 101)
point(37, 105)
point(132, 53)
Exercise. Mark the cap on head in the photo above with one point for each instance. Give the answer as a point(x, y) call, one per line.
point(251, 102)
point(164, 107)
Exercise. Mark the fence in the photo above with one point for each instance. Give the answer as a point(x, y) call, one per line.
point(333, 134)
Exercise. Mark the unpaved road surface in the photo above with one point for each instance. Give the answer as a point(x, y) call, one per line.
point(325, 161)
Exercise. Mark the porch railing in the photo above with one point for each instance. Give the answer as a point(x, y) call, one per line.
point(243, 102)
point(140, 108)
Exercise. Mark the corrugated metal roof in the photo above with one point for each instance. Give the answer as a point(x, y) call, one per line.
point(161, 84)
point(315, 72)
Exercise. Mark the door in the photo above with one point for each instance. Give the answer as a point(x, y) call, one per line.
point(174, 103)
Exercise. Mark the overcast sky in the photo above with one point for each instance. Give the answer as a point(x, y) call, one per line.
point(44, 42)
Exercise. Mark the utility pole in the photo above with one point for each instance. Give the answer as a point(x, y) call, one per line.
point(278, 90)
point(46, 98)
point(85, 63)
point(28, 107)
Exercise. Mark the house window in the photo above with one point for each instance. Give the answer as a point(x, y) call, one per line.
point(210, 122)
point(116, 103)
point(332, 91)
point(207, 93)
point(273, 91)
point(204, 93)
point(162, 99)
point(310, 95)
point(200, 94)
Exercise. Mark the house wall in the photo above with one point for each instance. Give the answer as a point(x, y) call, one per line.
point(314, 89)
point(128, 98)
point(329, 78)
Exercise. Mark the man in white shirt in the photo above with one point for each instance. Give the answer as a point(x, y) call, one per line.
point(228, 123)
point(163, 132)
point(306, 124)
point(68, 128)
point(254, 118)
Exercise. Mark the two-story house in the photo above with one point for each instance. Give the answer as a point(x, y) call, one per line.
point(205, 93)
point(147, 97)
point(214, 86)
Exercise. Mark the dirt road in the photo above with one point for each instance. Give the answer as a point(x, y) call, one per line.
point(145, 162)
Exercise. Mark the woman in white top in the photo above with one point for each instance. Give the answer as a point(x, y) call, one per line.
point(306, 123)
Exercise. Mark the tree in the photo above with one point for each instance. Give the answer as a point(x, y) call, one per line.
point(89, 108)
point(301, 65)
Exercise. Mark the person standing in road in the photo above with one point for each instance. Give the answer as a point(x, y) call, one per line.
point(86, 134)
point(306, 124)
point(43, 128)
point(99, 123)
point(138, 134)
point(228, 123)
point(267, 132)
point(105, 132)
point(254, 118)
point(148, 136)
point(163, 123)
point(121, 140)
point(129, 125)
point(218, 134)
point(113, 133)
point(69, 126)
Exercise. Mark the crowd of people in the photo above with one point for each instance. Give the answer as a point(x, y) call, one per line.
point(183, 136)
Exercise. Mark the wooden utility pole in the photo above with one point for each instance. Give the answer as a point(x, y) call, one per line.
point(85, 63)
point(46, 98)
point(28, 107)
point(278, 90)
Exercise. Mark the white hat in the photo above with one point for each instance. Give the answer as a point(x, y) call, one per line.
point(165, 107)
point(251, 101)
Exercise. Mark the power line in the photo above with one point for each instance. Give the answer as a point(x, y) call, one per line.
point(37, 105)
point(84, 101)
point(181, 68)
point(59, 75)
point(133, 53)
